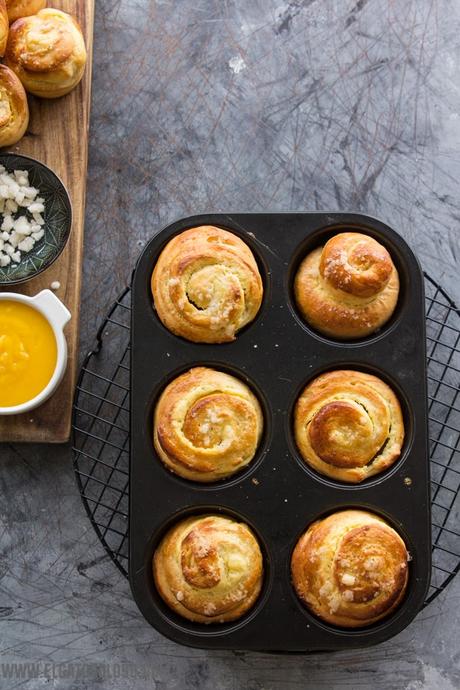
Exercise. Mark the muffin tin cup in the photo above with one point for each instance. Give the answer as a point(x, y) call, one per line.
point(277, 494)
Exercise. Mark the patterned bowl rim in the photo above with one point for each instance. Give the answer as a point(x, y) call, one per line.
point(62, 245)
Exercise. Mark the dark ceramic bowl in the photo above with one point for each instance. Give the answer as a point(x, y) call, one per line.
point(57, 217)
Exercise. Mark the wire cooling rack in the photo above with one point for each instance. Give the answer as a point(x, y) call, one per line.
point(101, 432)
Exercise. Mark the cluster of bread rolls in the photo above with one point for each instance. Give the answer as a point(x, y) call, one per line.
point(206, 285)
point(44, 54)
point(350, 568)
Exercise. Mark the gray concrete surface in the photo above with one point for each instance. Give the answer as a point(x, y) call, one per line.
point(223, 105)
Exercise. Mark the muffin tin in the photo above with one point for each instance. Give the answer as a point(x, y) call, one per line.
point(278, 495)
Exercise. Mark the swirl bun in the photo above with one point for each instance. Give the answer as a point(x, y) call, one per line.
point(47, 52)
point(207, 425)
point(14, 110)
point(206, 285)
point(348, 425)
point(23, 8)
point(209, 569)
point(350, 569)
point(348, 288)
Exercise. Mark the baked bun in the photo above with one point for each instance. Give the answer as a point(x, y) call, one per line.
point(348, 425)
point(4, 27)
point(23, 8)
point(209, 569)
point(14, 110)
point(206, 285)
point(207, 425)
point(47, 52)
point(350, 569)
point(348, 288)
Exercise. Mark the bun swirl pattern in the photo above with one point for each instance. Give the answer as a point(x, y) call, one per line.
point(209, 569)
point(350, 569)
point(14, 109)
point(207, 425)
point(47, 52)
point(348, 288)
point(348, 425)
point(206, 285)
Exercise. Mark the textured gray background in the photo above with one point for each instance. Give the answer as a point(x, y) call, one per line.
point(220, 105)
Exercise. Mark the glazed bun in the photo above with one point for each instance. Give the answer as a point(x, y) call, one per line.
point(206, 285)
point(350, 569)
point(14, 110)
point(207, 425)
point(23, 8)
point(209, 569)
point(47, 52)
point(348, 425)
point(348, 288)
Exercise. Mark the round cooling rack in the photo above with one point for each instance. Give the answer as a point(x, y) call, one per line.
point(101, 432)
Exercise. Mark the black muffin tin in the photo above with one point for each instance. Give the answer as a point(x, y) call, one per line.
point(278, 495)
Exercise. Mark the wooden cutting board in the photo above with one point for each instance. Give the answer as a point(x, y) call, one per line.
point(58, 136)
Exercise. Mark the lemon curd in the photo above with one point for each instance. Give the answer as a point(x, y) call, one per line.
point(28, 353)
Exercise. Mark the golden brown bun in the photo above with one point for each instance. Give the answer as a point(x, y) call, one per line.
point(47, 52)
point(350, 568)
point(348, 288)
point(206, 285)
point(348, 425)
point(207, 425)
point(4, 27)
point(209, 569)
point(14, 110)
point(23, 8)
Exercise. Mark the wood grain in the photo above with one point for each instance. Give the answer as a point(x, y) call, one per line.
point(58, 136)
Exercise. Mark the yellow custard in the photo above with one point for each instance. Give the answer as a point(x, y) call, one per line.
point(28, 353)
